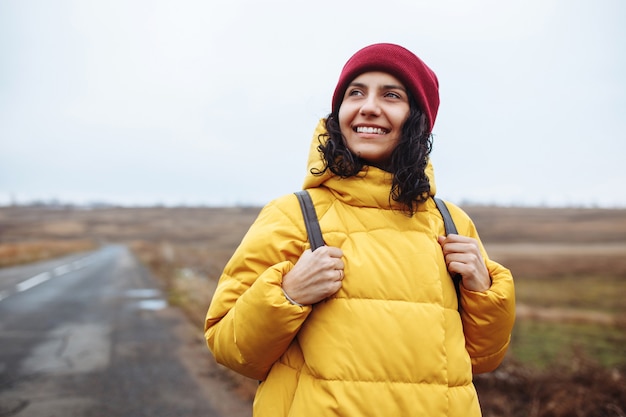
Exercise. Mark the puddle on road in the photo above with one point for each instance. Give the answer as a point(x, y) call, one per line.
point(142, 293)
point(152, 298)
point(157, 304)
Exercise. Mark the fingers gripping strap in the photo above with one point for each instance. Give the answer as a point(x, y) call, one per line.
point(310, 219)
point(448, 223)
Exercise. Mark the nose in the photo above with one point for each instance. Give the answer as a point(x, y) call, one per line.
point(370, 106)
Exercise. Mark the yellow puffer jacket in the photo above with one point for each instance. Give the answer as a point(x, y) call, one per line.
point(390, 342)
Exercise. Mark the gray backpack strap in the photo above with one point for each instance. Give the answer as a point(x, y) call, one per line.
point(450, 227)
point(310, 219)
point(448, 223)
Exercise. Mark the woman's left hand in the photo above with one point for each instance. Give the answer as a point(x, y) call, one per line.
point(463, 257)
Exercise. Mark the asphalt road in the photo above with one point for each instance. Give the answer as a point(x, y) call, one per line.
point(91, 335)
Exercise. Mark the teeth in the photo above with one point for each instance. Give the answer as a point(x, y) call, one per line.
point(364, 129)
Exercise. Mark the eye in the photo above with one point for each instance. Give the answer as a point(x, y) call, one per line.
point(354, 92)
point(393, 94)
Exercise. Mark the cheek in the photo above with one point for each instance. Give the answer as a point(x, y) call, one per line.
point(343, 118)
point(344, 124)
point(404, 116)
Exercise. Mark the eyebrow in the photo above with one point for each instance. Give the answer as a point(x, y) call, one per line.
point(384, 87)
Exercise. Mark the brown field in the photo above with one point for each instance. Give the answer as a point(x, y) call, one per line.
point(569, 266)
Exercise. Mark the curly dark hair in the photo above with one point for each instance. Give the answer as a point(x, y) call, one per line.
point(410, 185)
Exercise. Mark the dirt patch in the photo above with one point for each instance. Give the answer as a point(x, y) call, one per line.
point(31, 251)
point(565, 315)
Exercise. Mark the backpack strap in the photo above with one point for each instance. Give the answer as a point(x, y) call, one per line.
point(450, 227)
point(310, 219)
point(448, 223)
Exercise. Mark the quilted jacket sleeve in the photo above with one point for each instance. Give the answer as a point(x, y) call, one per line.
point(488, 317)
point(250, 323)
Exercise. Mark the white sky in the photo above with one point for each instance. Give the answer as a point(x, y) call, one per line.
point(206, 102)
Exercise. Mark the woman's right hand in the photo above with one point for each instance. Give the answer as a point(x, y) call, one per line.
point(315, 276)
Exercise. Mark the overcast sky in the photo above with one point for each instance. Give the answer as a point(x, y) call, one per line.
point(206, 102)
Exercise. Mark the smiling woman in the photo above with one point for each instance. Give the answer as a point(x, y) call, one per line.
point(371, 117)
point(369, 324)
point(403, 94)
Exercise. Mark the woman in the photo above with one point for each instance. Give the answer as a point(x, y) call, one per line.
point(370, 324)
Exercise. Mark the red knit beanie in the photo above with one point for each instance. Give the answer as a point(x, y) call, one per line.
point(420, 80)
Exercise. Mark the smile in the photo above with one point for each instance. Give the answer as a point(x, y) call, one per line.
point(371, 130)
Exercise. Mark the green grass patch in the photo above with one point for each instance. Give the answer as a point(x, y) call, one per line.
point(593, 293)
point(543, 344)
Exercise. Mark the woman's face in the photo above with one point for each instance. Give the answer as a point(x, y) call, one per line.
point(372, 113)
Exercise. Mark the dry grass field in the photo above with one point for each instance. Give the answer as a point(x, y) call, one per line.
point(568, 355)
